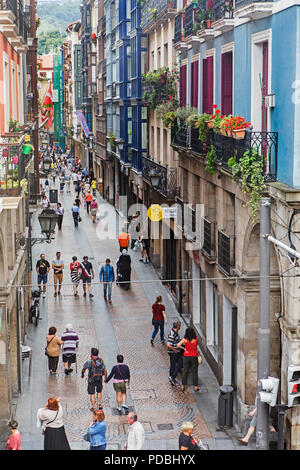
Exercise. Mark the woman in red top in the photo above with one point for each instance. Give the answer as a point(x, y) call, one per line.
point(14, 439)
point(159, 319)
point(190, 357)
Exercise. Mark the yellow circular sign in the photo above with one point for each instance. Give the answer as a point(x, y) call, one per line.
point(27, 138)
point(155, 212)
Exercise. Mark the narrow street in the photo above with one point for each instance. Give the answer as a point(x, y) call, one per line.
point(122, 327)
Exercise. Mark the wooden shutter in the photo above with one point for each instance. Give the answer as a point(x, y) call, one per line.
point(204, 86)
point(210, 84)
point(194, 83)
point(183, 85)
point(226, 93)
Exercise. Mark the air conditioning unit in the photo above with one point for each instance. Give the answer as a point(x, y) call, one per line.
point(270, 101)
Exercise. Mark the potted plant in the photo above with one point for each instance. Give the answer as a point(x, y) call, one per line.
point(195, 4)
point(182, 35)
point(169, 118)
point(209, 18)
point(201, 17)
point(94, 37)
point(193, 118)
point(236, 126)
point(228, 9)
point(218, 119)
point(202, 127)
point(38, 22)
point(112, 138)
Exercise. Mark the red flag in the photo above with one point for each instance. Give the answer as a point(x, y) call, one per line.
point(47, 111)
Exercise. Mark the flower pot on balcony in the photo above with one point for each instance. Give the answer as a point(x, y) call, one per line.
point(222, 131)
point(238, 133)
point(228, 133)
point(182, 37)
point(208, 24)
point(209, 124)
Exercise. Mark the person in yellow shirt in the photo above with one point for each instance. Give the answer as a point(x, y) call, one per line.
point(94, 187)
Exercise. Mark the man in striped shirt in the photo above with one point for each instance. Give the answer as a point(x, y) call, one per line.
point(69, 348)
point(175, 354)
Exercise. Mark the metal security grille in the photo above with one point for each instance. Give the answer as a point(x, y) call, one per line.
point(225, 252)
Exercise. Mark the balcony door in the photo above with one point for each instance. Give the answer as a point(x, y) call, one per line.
point(227, 82)
point(261, 79)
point(264, 84)
point(208, 85)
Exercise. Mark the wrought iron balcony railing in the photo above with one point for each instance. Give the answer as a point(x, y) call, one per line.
point(242, 3)
point(168, 177)
point(13, 165)
point(263, 143)
point(190, 26)
point(155, 10)
point(158, 90)
point(226, 254)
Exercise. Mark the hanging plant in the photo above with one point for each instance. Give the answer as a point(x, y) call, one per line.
point(211, 157)
point(250, 170)
point(169, 118)
point(201, 125)
point(38, 22)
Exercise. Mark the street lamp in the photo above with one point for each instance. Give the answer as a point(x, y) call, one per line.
point(120, 144)
point(48, 220)
point(155, 179)
point(47, 163)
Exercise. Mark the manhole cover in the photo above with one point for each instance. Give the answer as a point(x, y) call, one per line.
point(142, 394)
point(164, 427)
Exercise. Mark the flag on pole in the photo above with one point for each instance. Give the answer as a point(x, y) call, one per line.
point(47, 111)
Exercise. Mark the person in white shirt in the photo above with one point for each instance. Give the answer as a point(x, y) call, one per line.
point(135, 433)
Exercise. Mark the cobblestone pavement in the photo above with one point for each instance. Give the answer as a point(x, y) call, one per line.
point(123, 327)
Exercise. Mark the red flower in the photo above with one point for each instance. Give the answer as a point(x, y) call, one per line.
point(222, 117)
point(215, 106)
point(217, 111)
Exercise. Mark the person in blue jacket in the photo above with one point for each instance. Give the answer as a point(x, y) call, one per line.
point(97, 431)
point(107, 276)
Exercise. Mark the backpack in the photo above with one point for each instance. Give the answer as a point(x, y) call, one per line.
point(97, 369)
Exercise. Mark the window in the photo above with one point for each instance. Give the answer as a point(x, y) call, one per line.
point(144, 135)
point(194, 83)
point(183, 85)
point(166, 55)
point(212, 318)
point(208, 85)
point(227, 81)
point(143, 62)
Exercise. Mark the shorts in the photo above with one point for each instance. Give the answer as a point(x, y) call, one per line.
point(42, 278)
point(93, 211)
point(58, 277)
point(120, 387)
point(71, 359)
point(86, 280)
point(94, 387)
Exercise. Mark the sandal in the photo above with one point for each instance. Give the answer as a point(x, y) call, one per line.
point(197, 389)
point(182, 389)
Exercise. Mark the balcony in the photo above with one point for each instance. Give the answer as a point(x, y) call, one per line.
point(226, 255)
point(155, 11)
point(208, 238)
point(264, 143)
point(157, 91)
point(14, 25)
point(13, 166)
point(168, 177)
point(253, 9)
point(92, 88)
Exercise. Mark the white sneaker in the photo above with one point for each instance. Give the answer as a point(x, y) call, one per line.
point(44, 295)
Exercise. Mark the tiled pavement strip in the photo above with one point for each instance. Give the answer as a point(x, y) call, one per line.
point(125, 327)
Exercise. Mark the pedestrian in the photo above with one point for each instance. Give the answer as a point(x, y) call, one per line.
point(123, 240)
point(75, 214)
point(97, 369)
point(124, 269)
point(94, 186)
point(94, 208)
point(46, 184)
point(68, 183)
point(53, 349)
point(42, 269)
point(159, 319)
point(190, 358)
point(87, 201)
point(45, 202)
point(97, 431)
point(51, 417)
point(75, 179)
point(70, 347)
point(60, 213)
point(121, 374)
point(107, 277)
point(61, 183)
point(77, 201)
point(78, 188)
point(135, 227)
point(87, 187)
point(87, 275)
point(146, 249)
point(76, 272)
point(253, 423)
point(175, 353)
point(186, 440)
point(135, 433)
point(15, 438)
point(58, 266)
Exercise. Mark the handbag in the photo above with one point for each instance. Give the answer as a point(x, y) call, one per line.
point(49, 422)
point(199, 357)
point(79, 219)
point(48, 345)
point(87, 437)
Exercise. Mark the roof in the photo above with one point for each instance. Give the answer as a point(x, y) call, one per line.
point(46, 61)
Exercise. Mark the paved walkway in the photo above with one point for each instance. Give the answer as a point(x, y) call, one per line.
point(123, 327)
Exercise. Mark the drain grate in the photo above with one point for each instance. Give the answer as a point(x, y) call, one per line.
point(165, 427)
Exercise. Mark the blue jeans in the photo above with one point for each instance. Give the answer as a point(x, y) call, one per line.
point(42, 278)
point(107, 286)
point(103, 447)
point(158, 324)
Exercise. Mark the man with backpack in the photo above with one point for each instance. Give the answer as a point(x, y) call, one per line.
point(97, 369)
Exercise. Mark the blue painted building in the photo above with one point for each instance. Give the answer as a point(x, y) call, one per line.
point(125, 49)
